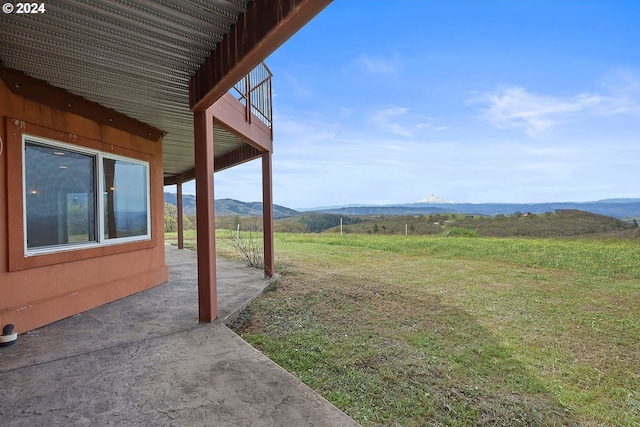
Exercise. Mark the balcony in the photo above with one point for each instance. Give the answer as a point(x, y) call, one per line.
point(242, 128)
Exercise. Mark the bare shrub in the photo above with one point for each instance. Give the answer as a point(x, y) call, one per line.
point(249, 247)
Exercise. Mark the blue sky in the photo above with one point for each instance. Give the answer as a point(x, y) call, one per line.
point(382, 102)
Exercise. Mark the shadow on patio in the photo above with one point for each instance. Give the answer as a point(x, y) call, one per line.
point(145, 360)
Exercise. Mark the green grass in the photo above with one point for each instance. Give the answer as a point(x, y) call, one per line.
point(189, 239)
point(434, 331)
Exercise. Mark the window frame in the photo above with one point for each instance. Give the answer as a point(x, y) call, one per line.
point(99, 192)
point(107, 140)
point(102, 207)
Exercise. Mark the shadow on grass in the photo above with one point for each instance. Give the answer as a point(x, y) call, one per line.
point(388, 355)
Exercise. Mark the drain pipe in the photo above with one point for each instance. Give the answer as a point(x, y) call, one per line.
point(8, 337)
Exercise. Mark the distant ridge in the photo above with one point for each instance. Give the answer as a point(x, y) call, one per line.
point(619, 200)
point(619, 208)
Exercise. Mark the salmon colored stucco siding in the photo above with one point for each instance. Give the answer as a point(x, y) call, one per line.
point(39, 289)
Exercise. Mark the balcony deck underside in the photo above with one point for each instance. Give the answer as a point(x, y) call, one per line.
point(236, 140)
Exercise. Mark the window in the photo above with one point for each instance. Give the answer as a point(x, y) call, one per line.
point(125, 199)
point(62, 208)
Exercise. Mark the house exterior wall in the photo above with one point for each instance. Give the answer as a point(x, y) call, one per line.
point(39, 289)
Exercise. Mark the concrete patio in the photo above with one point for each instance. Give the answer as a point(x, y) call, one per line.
point(145, 360)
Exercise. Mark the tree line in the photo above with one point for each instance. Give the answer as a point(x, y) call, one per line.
point(561, 223)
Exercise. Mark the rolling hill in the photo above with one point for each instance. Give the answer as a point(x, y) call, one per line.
point(226, 207)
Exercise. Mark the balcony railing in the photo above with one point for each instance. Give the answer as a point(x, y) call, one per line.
point(254, 92)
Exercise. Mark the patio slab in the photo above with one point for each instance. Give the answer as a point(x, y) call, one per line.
point(145, 360)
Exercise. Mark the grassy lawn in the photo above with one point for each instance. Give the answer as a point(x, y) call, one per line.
point(433, 331)
point(189, 239)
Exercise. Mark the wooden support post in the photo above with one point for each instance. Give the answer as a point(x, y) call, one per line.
point(267, 214)
point(180, 216)
point(205, 217)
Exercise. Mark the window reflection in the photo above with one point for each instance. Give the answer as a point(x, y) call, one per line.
point(125, 193)
point(60, 199)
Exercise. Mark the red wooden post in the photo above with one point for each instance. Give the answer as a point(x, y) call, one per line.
point(205, 216)
point(267, 214)
point(180, 216)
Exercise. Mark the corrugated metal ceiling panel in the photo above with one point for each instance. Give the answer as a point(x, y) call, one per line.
point(135, 57)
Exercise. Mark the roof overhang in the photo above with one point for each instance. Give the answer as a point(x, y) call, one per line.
point(154, 62)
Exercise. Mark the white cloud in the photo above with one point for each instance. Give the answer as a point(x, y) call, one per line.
point(398, 121)
point(379, 169)
point(306, 129)
point(345, 112)
point(515, 107)
point(623, 88)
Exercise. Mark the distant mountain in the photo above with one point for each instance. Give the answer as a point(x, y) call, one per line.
point(328, 208)
point(617, 208)
point(229, 207)
point(433, 199)
point(384, 210)
point(188, 202)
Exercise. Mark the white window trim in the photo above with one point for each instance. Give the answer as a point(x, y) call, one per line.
point(99, 191)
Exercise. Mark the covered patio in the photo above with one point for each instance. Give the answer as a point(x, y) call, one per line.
point(172, 91)
point(118, 99)
point(144, 361)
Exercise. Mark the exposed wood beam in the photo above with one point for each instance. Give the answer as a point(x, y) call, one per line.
point(265, 26)
point(185, 176)
point(225, 161)
point(236, 157)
